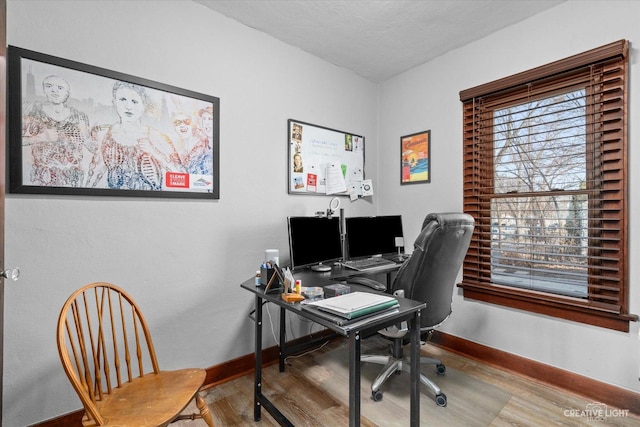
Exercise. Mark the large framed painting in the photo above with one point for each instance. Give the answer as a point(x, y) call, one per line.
point(76, 129)
point(415, 158)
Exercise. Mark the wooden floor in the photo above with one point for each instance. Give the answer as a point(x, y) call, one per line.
point(530, 403)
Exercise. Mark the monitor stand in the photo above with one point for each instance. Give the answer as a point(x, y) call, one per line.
point(321, 267)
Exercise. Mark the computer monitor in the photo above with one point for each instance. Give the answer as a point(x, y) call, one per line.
point(369, 236)
point(314, 241)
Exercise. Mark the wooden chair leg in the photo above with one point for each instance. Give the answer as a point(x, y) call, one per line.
point(204, 410)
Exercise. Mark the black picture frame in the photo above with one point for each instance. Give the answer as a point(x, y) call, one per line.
point(77, 129)
point(415, 158)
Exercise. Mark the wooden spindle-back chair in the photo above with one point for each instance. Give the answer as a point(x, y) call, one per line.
point(106, 350)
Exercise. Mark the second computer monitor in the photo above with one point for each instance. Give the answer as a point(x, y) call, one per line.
point(369, 236)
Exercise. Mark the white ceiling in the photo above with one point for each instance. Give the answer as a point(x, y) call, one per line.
point(378, 39)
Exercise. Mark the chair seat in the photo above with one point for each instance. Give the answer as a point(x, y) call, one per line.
point(151, 400)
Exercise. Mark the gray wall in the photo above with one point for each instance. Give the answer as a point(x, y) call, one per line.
point(428, 97)
point(183, 259)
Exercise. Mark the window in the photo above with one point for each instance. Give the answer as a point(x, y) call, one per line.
point(545, 178)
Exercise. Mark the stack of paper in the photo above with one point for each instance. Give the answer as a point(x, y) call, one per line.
point(355, 304)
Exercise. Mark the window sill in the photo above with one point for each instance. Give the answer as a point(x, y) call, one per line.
point(551, 305)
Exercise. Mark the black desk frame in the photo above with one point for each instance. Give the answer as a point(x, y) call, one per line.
point(409, 311)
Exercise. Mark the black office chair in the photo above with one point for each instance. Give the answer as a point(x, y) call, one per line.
point(429, 275)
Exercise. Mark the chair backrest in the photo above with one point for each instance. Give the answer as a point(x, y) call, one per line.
point(103, 342)
point(429, 275)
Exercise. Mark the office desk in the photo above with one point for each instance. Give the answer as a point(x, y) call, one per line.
point(408, 310)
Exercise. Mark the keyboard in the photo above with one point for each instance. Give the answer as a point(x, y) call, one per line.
point(368, 263)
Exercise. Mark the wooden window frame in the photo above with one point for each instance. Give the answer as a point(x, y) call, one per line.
point(610, 310)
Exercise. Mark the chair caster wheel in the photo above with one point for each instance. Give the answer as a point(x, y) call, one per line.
point(376, 396)
point(441, 400)
point(441, 369)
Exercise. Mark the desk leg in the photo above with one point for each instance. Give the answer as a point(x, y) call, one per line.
point(257, 390)
point(414, 324)
point(354, 379)
point(283, 338)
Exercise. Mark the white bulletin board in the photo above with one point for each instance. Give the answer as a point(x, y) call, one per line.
point(323, 161)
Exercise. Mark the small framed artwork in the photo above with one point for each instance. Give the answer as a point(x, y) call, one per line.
point(415, 158)
point(76, 129)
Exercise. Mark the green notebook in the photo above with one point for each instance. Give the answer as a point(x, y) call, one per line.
point(346, 323)
point(368, 310)
point(356, 304)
